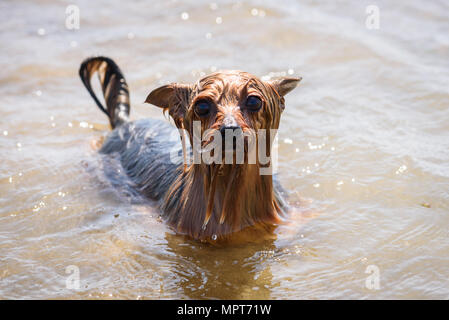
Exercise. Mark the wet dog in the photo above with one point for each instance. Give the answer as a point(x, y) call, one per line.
point(206, 200)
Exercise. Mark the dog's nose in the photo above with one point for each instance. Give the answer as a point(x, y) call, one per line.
point(232, 130)
point(231, 136)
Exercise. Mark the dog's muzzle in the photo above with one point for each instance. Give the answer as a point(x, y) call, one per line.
point(231, 136)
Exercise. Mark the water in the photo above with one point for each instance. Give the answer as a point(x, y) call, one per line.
point(364, 145)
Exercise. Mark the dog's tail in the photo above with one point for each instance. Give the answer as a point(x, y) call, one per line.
point(113, 84)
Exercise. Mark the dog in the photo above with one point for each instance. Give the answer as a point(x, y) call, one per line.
point(205, 201)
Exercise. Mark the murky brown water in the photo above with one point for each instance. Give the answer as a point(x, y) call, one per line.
point(364, 140)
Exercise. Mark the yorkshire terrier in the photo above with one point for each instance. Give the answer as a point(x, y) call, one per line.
point(208, 199)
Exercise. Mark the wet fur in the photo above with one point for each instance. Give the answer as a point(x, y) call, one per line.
point(144, 147)
point(238, 197)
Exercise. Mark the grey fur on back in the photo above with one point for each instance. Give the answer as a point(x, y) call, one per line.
point(144, 148)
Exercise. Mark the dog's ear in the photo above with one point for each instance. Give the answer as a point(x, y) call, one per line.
point(285, 85)
point(174, 97)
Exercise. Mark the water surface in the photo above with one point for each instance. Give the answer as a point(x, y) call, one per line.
point(364, 144)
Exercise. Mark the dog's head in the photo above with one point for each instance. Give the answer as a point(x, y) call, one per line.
point(223, 102)
point(227, 99)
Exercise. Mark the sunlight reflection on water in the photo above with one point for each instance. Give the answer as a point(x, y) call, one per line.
point(363, 144)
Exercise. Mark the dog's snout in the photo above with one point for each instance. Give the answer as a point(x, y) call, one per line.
point(232, 129)
point(231, 136)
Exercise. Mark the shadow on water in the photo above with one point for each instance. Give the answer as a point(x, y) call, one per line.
point(366, 136)
point(235, 272)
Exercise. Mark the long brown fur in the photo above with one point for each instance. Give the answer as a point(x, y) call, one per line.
point(232, 197)
point(209, 202)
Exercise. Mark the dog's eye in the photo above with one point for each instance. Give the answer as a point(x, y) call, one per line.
point(253, 103)
point(202, 108)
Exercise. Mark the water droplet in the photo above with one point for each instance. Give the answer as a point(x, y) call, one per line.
point(219, 20)
point(84, 124)
point(184, 16)
point(426, 205)
point(41, 31)
point(316, 185)
point(290, 71)
point(297, 150)
point(38, 93)
point(19, 145)
point(254, 11)
point(64, 208)
point(339, 183)
point(214, 237)
point(70, 124)
point(5, 133)
point(288, 141)
point(401, 169)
